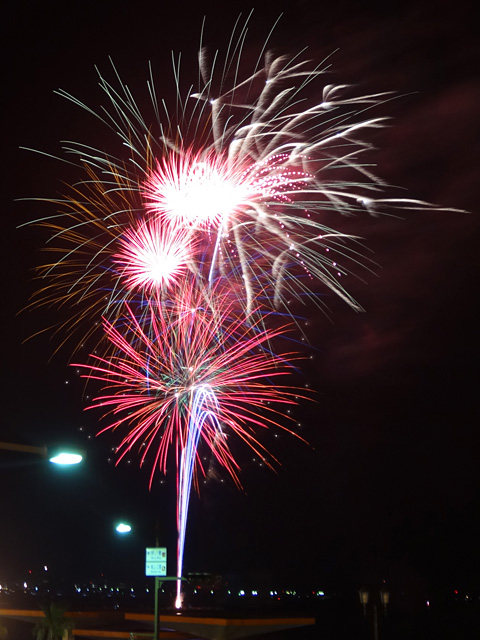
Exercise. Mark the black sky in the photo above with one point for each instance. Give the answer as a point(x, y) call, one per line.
point(389, 487)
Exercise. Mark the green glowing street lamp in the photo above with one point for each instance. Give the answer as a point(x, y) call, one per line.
point(66, 458)
point(59, 456)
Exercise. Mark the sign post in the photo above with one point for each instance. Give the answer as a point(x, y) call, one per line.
point(156, 565)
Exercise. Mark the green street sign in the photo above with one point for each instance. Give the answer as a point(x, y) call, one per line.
point(156, 561)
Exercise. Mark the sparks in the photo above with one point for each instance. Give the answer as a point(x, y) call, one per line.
point(204, 191)
point(158, 371)
point(153, 255)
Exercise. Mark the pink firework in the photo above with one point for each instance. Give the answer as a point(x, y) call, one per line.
point(154, 255)
point(161, 365)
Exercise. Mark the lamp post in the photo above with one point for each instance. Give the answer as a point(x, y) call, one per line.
point(364, 596)
point(155, 565)
point(57, 456)
point(385, 600)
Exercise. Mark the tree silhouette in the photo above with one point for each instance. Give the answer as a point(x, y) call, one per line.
point(54, 626)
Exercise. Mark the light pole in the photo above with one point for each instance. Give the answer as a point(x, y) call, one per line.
point(385, 600)
point(58, 456)
point(155, 565)
point(364, 596)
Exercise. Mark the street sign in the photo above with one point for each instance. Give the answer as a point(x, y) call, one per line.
point(156, 561)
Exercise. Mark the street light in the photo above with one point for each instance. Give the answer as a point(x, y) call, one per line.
point(123, 527)
point(385, 600)
point(66, 458)
point(59, 457)
point(364, 596)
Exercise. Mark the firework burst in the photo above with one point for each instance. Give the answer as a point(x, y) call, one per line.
point(153, 256)
point(250, 170)
point(160, 364)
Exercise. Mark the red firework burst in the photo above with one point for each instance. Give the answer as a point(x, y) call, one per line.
point(160, 364)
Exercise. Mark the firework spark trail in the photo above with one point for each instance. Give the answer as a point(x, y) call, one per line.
point(205, 407)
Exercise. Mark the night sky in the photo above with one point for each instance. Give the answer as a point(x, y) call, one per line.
point(388, 487)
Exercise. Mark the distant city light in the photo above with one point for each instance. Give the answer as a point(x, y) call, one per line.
point(123, 528)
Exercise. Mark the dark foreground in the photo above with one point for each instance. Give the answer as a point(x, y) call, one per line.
point(336, 619)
